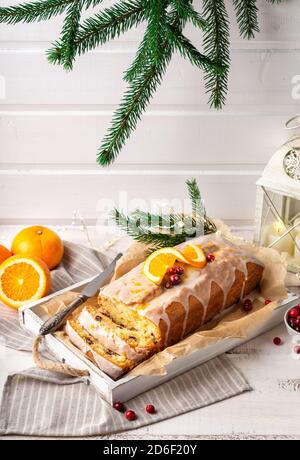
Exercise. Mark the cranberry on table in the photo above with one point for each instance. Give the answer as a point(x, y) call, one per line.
point(174, 279)
point(277, 341)
point(210, 258)
point(247, 305)
point(119, 406)
point(150, 409)
point(267, 301)
point(297, 349)
point(130, 415)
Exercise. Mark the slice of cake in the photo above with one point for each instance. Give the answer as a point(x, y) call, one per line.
point(114, 364)
point(114, 336)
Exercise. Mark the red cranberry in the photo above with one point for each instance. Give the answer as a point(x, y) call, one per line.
point(297, 328)
point(210, 258)
point(277, 341)
point(168, 285)
point(297, 321)
point(150, 409)
point(294, 313)
point(267, 301)
point(179, 271)
point(247, 305)
point(292, 322)
point(297, 349)
point(119, 406)
point(171, 271)
point(174, 279)
point(130, 415)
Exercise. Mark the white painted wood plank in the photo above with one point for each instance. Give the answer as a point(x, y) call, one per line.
point(176, 137)
point(277, 23)
point(54, 195)
point(263, 78)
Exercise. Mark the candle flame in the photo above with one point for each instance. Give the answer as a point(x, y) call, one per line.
point(278, 227)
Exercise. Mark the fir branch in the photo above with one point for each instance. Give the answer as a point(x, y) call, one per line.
point(216, 46)
point(164, 221)
point(167, 230)
point(187, 12)
point(108, 24)
point(203, 223)
point(133, 104)
point(160, 240)
point(141, 89)
point(34, 11)
point(246, 14)
point(188, 51)
point(149, 49)
point(198, 210)
point(138, 64)
point(132, 227)
point(64, 52)
point(156, 16)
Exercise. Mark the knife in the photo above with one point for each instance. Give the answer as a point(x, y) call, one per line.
point(56, 321)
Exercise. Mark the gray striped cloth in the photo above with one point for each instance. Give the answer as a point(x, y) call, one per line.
point(39, 403)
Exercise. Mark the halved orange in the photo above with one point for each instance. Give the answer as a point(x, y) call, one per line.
point(23, 280)
point(157, 264)
point(195, 255)
point(4, 253)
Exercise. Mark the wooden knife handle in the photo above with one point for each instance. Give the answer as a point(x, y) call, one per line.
point(56, 321)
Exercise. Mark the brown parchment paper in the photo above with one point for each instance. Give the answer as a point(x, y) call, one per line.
point(234, 324)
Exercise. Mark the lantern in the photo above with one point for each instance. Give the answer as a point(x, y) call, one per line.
point(277, 220)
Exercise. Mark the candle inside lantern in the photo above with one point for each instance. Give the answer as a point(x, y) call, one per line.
point(273, 232)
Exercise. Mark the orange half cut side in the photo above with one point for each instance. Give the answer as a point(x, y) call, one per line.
point(23, 280)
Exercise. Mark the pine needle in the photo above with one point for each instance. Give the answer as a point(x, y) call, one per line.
point(246, 14)
point(216, 47)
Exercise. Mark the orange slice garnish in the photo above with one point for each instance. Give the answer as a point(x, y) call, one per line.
point(157, 264)
point(23, 280)
point(195, 255)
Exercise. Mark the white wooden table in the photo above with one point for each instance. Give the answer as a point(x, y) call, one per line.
point(271, 410)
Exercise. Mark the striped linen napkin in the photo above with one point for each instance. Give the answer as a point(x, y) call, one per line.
point(39, 403)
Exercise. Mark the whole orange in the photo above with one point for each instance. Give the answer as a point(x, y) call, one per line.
point(39, 241)
point(4, 253)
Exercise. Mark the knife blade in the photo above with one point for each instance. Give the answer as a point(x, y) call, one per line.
point(56, 321)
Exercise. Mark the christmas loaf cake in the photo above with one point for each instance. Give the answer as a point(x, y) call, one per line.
point(137, 317)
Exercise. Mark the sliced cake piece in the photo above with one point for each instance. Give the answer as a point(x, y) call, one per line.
point(116, 337)
point(108, 361)
point(132, 323)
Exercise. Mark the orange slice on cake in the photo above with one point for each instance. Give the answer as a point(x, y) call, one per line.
point(23, 280)
point(157, 264)
point(195, 255)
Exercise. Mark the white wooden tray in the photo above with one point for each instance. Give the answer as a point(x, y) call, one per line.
point(125, 388)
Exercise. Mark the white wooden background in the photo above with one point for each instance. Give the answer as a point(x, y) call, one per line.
point(51, 122)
